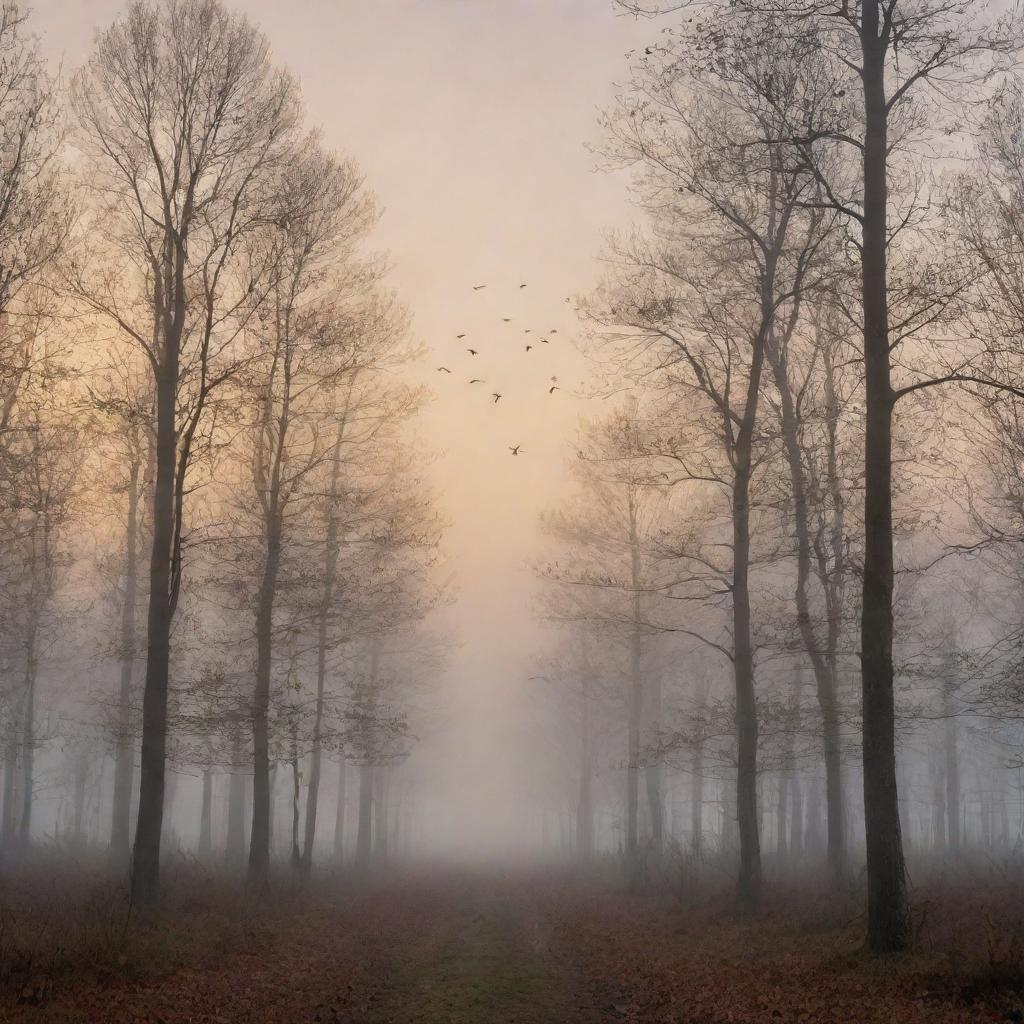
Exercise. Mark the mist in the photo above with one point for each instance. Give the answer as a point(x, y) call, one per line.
point(511, 511)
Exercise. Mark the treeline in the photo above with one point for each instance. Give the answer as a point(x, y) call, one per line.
point(817, 481)
point(217, 547)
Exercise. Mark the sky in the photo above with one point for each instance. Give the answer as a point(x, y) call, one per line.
point(471, 120)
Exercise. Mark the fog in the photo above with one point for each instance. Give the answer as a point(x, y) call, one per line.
point(410, 92)
point(554, 465)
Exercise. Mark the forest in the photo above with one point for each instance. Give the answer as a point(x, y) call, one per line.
point(579, 580)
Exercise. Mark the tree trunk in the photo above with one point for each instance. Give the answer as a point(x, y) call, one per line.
point(822, 657)
point(782, 818)
point(170, 793)
point(888, 911)
point(748, 885)
point(749, 880)
point(727, 797)
point(952, 780)
point(834, 577)
point(296, 858)
point(365, 828)
point(28, 736)
point(205, 847)
point(258, 877)
point(272, 823)
point(796, 817)
point(812, 831)
point(326, 604)
point(339, 812)
point(145, 878)
point(636, 700)
point(124, 760)
point(585, 804)
point(10, 813)
point(653, 773)
point(633, 755)
point(938, 806)
point(235, 846)
point(380, 816)
point(312, 792)
point(81, 782)
point(697, 800)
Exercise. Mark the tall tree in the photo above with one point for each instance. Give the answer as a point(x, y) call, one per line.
point(888, 56)
point(733, 242)
point(305, 353)
point(606, 575)
point(187, 129)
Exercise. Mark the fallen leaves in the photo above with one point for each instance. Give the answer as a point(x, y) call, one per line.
point(523, 950)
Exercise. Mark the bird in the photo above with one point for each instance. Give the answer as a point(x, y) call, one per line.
point(544, 341)
point(496, 397)
point(553, 331)
point(528, 347)
point(553, 389)
point(478, 380)
point(517, 450)
point(443, 369)
point(472, 351)
point(507, 319)
point(459, 337)
point(522, 286)
point(477, 287)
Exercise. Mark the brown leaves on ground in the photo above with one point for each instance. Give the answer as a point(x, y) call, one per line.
point(798, 959)
point(464, 948)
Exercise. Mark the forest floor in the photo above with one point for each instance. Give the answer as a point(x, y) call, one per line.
point(489, 948)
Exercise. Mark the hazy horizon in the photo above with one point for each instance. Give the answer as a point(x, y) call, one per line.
point(471, 122)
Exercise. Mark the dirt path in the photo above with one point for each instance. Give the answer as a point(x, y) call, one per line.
point(463, 948)
point(485, 959)
point(452, 950)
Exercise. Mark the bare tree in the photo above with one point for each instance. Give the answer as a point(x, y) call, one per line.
point(734, 242)
point(607, 576)
point(41, 457)
point(187, 129)
point(306, 352)
point(123, 408)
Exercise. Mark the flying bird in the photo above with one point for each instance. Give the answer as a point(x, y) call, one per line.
point(507, 319)
point(459, 337)
point(496, 397)
point(478, 380)
point(553, 331)
point(544, 341)
point(527, 331)
point(472, 351)
point(553, 389)
point(522, 286)
point(528, 347)
point(443, 369)
point(477, 287)
point(517, 450)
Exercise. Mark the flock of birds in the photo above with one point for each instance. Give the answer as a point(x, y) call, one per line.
point(497, 395)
